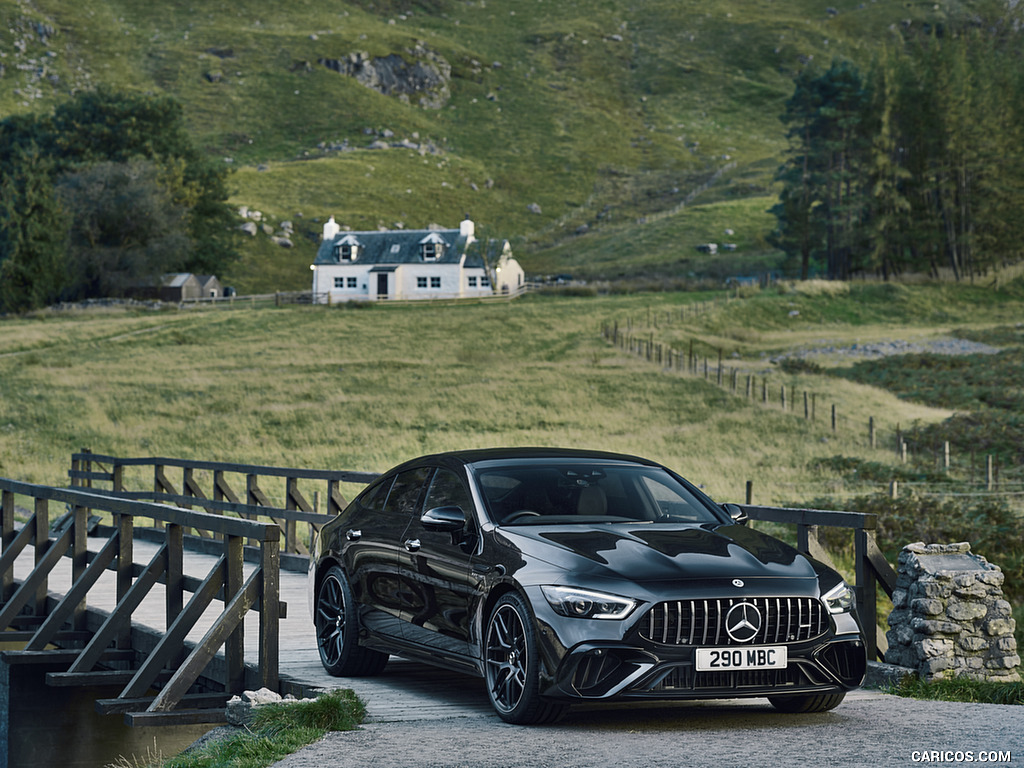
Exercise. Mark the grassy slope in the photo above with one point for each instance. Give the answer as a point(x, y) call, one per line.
point(596, 130)
point(366, 388)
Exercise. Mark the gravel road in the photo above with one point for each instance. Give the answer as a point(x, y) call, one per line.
point(868, 729)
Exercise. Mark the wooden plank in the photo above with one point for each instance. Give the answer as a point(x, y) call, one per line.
point(63, 655)
point(97, 677)
point(885, 573)
point(183, 717)
point(812, 516)
point(188, 701)
point(342, 475)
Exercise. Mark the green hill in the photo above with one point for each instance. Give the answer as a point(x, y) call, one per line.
point(604, 137)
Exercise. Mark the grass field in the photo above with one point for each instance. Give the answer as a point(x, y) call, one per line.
point(366, 387)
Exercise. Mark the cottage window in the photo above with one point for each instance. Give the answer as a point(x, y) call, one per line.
point(485, 282)
point(421, 282)
point(339, 282)
point(472, 281)
point(435, 282)
point(346, 252)
point(353, 282)
point(432, 251)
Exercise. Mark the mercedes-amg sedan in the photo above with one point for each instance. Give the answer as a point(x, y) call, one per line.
point(562, 576)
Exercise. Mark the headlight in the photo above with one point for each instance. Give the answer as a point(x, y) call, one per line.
point(586, 604)
point(839, 599)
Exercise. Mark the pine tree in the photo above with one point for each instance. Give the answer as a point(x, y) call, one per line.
point(33, 235)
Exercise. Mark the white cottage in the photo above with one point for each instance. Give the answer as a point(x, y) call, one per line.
point(411, 264)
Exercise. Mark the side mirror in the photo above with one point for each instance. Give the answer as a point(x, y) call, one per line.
point(737, 513)
point(444, 519)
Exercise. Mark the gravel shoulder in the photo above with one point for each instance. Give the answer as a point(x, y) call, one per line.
point(868, 729)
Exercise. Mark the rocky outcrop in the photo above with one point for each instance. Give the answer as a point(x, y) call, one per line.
point(425, 79)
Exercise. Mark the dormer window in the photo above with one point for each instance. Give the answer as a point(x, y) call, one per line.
point(431, 247)
point(347, 250)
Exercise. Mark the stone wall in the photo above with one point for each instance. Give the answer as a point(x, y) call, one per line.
point(949, 617)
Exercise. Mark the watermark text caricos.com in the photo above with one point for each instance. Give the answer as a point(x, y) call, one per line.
point(960, 756)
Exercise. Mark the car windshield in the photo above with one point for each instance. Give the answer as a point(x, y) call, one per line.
point(553, 492)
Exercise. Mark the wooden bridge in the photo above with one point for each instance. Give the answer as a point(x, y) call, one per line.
point(75, 600)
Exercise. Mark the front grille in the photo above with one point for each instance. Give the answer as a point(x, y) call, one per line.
point(702, 622)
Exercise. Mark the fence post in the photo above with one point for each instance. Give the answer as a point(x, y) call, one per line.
point(865, 591)
point(871, 431)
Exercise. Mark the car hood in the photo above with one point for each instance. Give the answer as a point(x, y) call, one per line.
point(659, 552)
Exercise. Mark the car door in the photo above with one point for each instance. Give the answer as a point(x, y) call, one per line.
point(437, 615)
point(373, 551)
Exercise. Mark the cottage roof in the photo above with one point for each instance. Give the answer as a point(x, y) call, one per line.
point(394, 247)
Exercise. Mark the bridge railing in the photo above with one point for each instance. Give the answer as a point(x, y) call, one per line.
point(108, 654)
point(871, 569)
point(222, 493)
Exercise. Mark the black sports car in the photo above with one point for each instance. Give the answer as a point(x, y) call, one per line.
point(564, 575)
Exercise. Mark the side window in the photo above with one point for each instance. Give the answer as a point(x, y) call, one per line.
point(446, 490)
point(376, 494)
point(405, 493)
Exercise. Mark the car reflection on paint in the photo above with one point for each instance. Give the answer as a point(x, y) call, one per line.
point(563, 576)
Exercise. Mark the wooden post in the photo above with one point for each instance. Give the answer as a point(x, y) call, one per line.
point(989, 472)
point(234, 647)
point(125, 571)
point(750, 491)
point(41, 521)
point(894, 490)
point(807, 408)
point(7, 534)
point(269, 641)
point(174, 581)
point(865, 591)
point(945, 455)
point(871, 431)
point(782, 396)
point(834, 418)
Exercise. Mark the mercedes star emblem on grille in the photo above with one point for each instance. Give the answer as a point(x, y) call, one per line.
point(743, 622)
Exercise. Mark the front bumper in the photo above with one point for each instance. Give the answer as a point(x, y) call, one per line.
point(610, 670)
point(640, 658)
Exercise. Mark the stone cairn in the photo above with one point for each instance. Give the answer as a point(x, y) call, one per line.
point(949, 617)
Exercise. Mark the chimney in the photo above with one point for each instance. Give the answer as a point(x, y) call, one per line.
point(331, 230)
point(467, 229)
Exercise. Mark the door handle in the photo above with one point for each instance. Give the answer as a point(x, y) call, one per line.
point(353, 535)
point(412, 545)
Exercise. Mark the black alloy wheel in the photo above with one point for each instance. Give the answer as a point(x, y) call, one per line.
point(510, 656)
point(337, 630)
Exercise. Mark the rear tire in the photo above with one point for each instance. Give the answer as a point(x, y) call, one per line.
point(337, 630)
point(512, 666)
point(813, 702)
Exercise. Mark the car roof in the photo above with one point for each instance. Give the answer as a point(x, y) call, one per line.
point(478, 455)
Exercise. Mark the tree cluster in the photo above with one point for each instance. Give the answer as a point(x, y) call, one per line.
point(104, 195)
point(913, 166)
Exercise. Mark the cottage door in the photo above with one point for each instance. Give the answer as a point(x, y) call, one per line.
point(382, 285)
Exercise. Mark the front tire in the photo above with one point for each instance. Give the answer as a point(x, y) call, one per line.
point(511, 666)
point(337, 630)
point(814, 702)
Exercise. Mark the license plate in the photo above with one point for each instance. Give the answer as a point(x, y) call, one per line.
point(763, 657)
